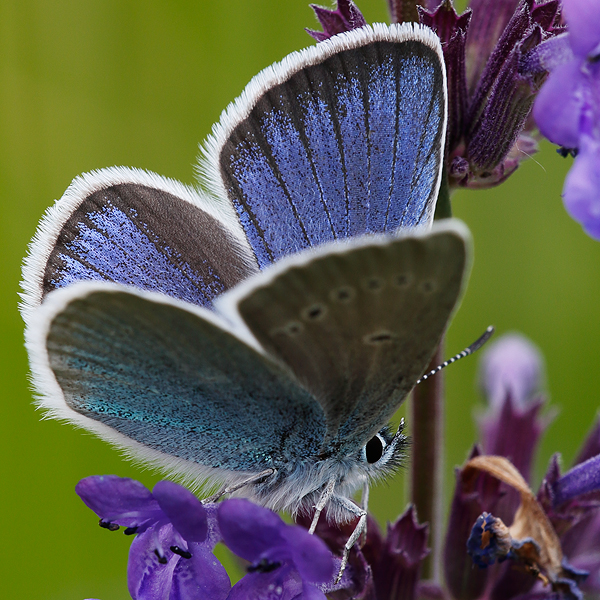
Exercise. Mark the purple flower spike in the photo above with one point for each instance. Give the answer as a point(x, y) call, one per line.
point(345, 18)
point(491, 85)
point(452, 30)
point(284, 557)
point(510, 374)
point(583, 18)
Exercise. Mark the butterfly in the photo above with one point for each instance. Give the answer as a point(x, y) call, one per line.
point(260, 331)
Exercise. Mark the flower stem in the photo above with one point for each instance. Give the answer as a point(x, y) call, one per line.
point(427, 434)
point(443, 207)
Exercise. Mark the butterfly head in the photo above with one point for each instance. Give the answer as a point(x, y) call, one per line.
point(384, 453)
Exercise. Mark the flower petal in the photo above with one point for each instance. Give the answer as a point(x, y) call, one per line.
point(249, 530)
point(311, 592)
point(559, 103)
point(582, 479)
point(583, 17)
point(311, 556)
point(118, 500)
point(397, 564)
point(581, 193)
point(511, 366)
point(184, 510)
point(201, 576)
point(346, 17)
point(147, 578)
point(281, 584)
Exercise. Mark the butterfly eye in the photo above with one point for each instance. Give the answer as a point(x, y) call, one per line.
point(374, 449)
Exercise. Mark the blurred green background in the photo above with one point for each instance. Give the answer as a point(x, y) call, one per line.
point(89, 84)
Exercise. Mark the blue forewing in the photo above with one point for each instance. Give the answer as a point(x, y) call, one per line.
point(342, 139)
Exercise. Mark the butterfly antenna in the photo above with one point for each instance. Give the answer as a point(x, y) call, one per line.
point(480, 341)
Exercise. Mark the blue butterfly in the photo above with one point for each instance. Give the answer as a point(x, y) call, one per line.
point(260, 332)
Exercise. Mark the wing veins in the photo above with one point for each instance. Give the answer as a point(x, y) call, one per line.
point(304, 138)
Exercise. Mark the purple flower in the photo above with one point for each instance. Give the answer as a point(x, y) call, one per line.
point(531, 541)
point(397, 559)
point(511, 375)
point(171, 557)
point(286, 561)
point(384, 567)
point(490, 87)
point(567, 110)
point(344, 18)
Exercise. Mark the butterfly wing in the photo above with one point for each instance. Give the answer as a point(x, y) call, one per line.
point(358, 323)
point(137, 228)
point(167, 382)
point(341, 139)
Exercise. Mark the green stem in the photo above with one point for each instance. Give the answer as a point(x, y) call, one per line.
point(427, 445)
point(443, 208)
point(427, 433)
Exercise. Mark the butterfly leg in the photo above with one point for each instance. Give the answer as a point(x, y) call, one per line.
point(365, 506)
point(360, 528)
point(234, 488)
point(323, 500)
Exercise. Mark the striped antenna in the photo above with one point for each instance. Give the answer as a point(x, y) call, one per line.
point(469, 350)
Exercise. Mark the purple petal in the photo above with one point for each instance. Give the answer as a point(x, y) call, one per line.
point(310, 555)
point(396, 561)
point(310, 592)
point(514, 432)
point(119, 500)
point(249, 530)
point(582, 479)
point(356, 581)
point(183, 509)
point(581, 193)
point(147, 578)
point(549, 55)
point(346, 17)
point(201, 576)
point(559, 104)
point(281, 584)
point(471, 498)
point(583, 19)
point(511, 366)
